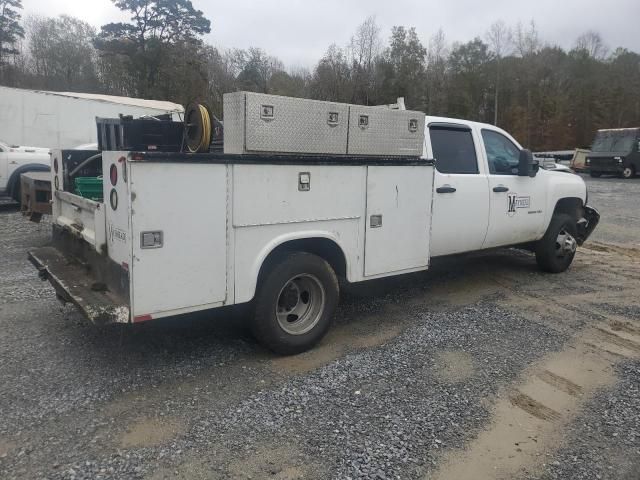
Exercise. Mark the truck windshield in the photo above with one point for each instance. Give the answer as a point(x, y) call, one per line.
point(614, 141)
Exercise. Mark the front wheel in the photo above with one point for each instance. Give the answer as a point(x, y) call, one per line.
point(294, 303)
point(628, 172)
point(556, 250)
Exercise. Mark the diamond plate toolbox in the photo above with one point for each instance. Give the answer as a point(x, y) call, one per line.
point(380, 131)
point(259, 123)
point(272, 124)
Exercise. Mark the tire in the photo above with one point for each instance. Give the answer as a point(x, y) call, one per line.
point(556, 250)
point(294, 303)
point(628, 172)
point(595, 174)
point(16, 192)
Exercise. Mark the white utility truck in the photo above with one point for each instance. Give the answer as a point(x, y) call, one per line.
point(305, 193)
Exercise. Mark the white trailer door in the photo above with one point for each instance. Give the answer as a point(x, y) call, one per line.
point(398, 219)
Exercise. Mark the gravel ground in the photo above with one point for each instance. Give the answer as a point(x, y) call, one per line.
point(617, 201)
point(409, 374)
point(612, 421)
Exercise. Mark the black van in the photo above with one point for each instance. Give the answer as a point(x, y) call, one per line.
point(616, 152)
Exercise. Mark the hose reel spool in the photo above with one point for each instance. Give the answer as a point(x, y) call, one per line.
point(198, 128)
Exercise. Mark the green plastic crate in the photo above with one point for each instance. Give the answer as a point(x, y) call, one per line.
point(89, 187)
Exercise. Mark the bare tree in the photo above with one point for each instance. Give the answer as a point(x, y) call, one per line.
point(527, 41)
point(592, 43)
point(61, 52)
point(436, 72)
point(363, 50)
point(366, 44)
point(500, 40)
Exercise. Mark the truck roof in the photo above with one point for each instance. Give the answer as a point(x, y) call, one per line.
point(470, 124)
point(134, 102)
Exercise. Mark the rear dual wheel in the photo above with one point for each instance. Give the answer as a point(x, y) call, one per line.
point(294, 303)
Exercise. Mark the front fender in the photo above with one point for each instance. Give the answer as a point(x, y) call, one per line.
point(563, 185)
point(14, 179)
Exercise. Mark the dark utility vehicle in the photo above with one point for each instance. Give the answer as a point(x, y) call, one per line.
point(615, 152)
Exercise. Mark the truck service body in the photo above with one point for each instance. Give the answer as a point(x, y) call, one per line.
point(179, 233)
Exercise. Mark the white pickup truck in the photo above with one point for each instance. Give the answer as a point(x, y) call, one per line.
point(16, 160)
point(179, 233)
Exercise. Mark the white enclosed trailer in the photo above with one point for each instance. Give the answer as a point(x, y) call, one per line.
point(179, 233)
point(65, 119)
point(54, 120)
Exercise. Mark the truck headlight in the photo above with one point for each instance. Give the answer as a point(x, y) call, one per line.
point(588, 160)
point(618, 159)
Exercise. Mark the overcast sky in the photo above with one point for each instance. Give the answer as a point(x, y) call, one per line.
point(299, 31)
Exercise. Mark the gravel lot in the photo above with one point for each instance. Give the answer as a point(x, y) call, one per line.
point(420, 377)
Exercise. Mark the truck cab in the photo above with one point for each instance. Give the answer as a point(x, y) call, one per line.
point(615, 151)
point(483, 198)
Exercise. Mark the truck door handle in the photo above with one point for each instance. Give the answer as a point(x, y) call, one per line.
point(445, 189)
point(500, 189)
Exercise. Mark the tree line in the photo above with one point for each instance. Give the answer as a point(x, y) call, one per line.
point(546, 96)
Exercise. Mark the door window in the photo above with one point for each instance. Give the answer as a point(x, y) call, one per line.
point(453, 150)
point(502, 154)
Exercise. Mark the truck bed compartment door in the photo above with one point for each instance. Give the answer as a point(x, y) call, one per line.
point(398, 218)
point(179, 233)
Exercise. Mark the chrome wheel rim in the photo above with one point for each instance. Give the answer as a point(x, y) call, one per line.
point(566, 245)
point(300, 304)
point(627, 172)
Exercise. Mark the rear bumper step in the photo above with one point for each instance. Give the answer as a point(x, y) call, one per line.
point(73, 283)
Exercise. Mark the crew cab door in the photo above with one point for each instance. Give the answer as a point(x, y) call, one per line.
point(517, 203)
point(461, 198)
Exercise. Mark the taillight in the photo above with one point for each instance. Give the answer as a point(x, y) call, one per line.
point(55, 165)
point(113, 174)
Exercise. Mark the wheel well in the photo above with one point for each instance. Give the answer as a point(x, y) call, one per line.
point(14, 179)
point(322, 247)
point(571, 206)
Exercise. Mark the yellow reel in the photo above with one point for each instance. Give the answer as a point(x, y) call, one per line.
point(197, 123)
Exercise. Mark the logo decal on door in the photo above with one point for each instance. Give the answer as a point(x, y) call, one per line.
point(514, 202)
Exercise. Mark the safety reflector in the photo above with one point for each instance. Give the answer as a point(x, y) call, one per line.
point(113, 199)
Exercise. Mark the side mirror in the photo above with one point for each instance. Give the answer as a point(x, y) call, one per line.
point(527, 166)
